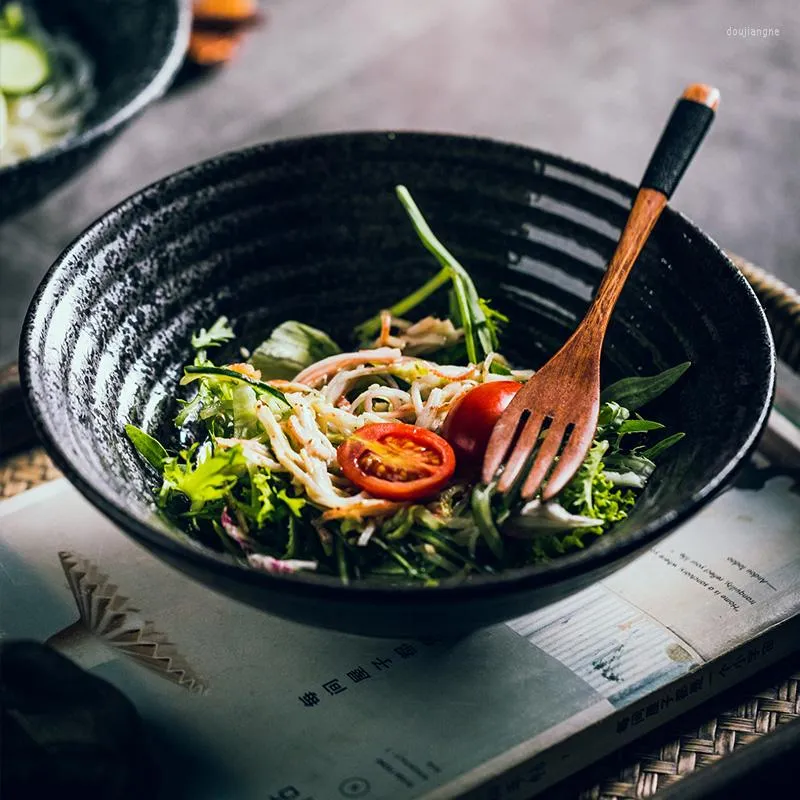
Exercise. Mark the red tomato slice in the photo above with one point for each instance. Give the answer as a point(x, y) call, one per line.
point(397, 461)
point(469, 424)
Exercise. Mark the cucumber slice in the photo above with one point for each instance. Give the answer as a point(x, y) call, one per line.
point(24, 66)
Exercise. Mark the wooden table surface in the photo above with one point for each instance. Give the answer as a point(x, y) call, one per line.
point(592, 80)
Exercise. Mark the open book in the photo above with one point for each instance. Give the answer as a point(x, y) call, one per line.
point(245, 705)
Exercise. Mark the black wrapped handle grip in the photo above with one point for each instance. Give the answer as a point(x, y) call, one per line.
point(684, 131)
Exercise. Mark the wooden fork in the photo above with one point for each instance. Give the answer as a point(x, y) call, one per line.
point(562, 399)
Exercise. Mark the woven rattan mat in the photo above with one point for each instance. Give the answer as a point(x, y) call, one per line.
point(642, 769)
point(24, 471)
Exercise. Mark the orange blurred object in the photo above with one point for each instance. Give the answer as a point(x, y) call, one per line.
point(208, 48)
point(218, 29)
point(225, 9)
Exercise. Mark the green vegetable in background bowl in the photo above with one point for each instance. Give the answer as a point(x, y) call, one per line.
point(46, 85)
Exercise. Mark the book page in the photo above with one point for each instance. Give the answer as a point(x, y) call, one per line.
point(734, 569)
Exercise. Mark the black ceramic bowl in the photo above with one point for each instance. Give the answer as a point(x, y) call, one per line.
point(136, 47)
point(310, 229)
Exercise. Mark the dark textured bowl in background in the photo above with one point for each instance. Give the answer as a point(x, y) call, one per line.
point(136, 47)
point(310, 229)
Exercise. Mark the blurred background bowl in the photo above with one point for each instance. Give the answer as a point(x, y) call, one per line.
point(310, 229)
point(136, 47)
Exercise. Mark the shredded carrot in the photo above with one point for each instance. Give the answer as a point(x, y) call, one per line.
point(386, 328)
point(248, 370)
point(361, 510)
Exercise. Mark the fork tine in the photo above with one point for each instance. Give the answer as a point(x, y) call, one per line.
point(496, 450)
point(544, 459)
point(571, 459)
point(522, 449)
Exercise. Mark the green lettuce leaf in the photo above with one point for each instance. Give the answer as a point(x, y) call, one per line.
point(292, 347)
point(149, 448)
point(632, 393)
point(245, 417)
point(659, 447)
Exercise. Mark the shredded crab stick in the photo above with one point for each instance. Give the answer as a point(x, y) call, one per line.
point(322, 370)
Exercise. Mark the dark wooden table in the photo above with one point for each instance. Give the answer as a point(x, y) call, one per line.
point(592, 80)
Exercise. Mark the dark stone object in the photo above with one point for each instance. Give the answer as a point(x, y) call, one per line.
point(66, 733)
point(310, 229)
point(136, 47)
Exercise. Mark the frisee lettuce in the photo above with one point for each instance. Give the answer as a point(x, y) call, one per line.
point(205, 481)
point(225, 375)
point(268, 500)
point(218, 334)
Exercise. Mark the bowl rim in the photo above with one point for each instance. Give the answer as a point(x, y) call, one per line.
point(513, 581)
point(152, 91)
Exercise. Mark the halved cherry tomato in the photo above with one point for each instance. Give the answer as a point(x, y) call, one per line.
point(470, 422)
point(397, 461)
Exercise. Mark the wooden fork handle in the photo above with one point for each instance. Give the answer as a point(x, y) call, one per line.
point(684, 131)
point(687, 126)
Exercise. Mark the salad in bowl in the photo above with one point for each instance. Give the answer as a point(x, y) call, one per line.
point(362, 460)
